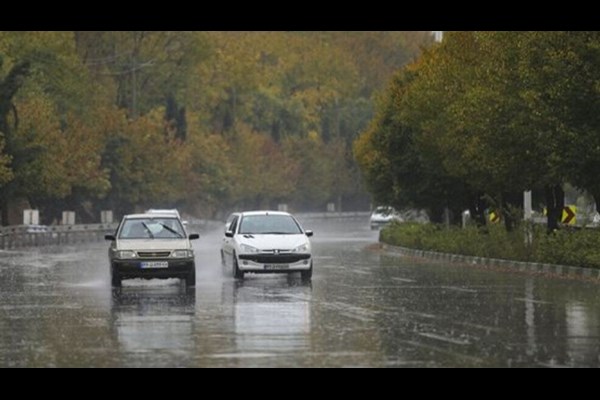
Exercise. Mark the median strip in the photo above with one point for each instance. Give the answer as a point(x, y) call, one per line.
point(519, 266)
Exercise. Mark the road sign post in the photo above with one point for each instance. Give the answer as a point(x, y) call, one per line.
point(569, 215)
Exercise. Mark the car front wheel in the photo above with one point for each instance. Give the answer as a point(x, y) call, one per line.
point(115, 278)
point(307, 275)
point(237, 273)
point(190, 279)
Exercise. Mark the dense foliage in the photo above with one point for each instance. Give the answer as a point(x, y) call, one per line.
point(204, 121)
point(484, 116)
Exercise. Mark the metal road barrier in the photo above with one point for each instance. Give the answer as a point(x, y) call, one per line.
point(333, 215)
point(22, 236)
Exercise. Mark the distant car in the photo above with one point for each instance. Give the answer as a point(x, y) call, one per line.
point(173, 212)
point(267, 242)
point(383, 216)
point(151, 246)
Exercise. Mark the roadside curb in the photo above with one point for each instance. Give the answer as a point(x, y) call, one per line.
point(520, 266)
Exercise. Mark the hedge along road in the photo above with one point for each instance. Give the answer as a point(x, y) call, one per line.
point(363, 308)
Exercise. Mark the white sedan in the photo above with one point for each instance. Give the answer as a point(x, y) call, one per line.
point(267, 242)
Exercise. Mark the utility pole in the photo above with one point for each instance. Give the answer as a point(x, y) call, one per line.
point(528, 216)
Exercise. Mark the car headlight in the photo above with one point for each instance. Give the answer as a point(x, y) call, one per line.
point(248, 249)
point(301, 249)
point(126, 254)
point(182, 254)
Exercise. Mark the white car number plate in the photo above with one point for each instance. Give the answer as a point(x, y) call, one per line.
point(155, 265)
point(276, 266)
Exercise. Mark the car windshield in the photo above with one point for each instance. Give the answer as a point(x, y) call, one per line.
point(152, 228)
point(384, 211)
point(269, 225)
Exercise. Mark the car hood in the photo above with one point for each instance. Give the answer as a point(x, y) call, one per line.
point(273, 242)
point(153, 244)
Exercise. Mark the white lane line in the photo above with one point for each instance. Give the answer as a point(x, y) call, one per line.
point(445, 339)
point(532, 301)
point(404, 280)
point(459, 289)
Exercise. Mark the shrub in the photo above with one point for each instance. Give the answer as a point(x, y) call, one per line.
point(579, 248)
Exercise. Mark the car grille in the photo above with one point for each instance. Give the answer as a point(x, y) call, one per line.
point(275, 258)
point(154, 254)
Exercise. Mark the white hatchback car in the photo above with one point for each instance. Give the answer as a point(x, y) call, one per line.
point(267, 242)
point(383, 216)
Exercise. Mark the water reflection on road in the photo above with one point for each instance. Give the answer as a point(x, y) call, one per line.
point(363, 308)
point(155, 321)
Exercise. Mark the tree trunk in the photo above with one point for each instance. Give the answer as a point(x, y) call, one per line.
point(477, 210)
point(4, 210)
point(555, 202)
point(510, 203)
point(436, 215)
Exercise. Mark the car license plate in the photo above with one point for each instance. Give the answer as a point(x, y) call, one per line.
point(276, 266)
point(155, 265)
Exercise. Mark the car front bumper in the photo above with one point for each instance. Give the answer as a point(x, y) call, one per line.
point(274, 263)
point(127, 269)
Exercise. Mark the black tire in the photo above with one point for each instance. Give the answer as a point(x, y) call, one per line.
point(190, 279)
point(115, 279)
point(223, 265)
point(237, 273)
point(307, 275)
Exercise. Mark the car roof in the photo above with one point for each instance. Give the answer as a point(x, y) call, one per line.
point(256, 213)
point(162, 211)
point(150, 216)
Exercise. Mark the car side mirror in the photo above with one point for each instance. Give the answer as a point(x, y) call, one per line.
point(309, 233)
point(194, 236)
point(110, 238)
point(229, 234)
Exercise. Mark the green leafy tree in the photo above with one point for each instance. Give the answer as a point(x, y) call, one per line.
point(9, 86)
point(5, 171)
point(398, 172)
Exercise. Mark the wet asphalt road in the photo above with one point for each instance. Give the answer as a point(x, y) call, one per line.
point(363, 309)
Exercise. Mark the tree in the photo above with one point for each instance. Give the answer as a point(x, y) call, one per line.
point(399, 172)
point(147, 68)
point(120, 120)
point(560, 71)
point(8, 89)
point(5, 171)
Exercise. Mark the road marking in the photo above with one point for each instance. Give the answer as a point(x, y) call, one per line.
point(404, 280)
point(478, 326)
point(361, 272)
point(532, 301)
point(423, 315)
point(445, 339)
point(458, 289)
